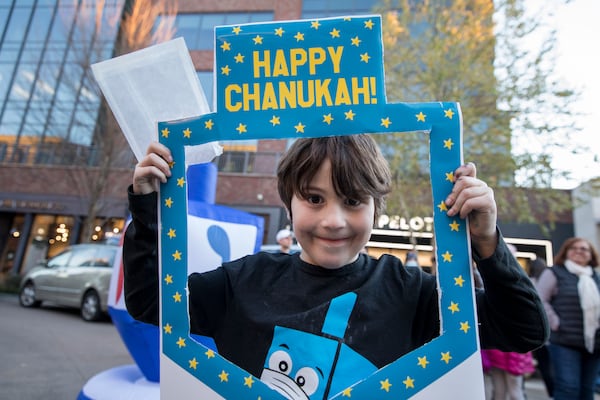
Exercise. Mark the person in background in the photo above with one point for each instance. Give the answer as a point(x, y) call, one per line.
point(570, 291)
point(507, 369)
point(411, 259)
point(541, 355)
point(285, 239)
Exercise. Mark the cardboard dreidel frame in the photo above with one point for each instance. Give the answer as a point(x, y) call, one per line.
point(313, 78)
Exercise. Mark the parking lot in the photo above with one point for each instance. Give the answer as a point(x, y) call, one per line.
point(50, 353)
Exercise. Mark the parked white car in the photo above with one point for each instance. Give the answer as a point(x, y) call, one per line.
point(78, 277)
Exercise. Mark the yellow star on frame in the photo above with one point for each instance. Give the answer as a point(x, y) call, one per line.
point(335, 33)
point(422, 361)
point(327, 119)
point(369, 24)
point(386, 122)
point(299, 127)
point(279, 32)
point(168, 329)
point(365, 57)
point(442, 206)
point(209, 124)
point(349, 115)
point(248, 381)
point(165, 132)
point(171, 164)
point(180, 342)
point(315, 24)
point(236, 30)
point(347, 392)
point(409, 382)
point(447, 256)
point(209, 354)
point(169, 202)
point(450, 176)
point(448, 143)
point(225, 70)
point(299, 36)
point(241, 128)
point(177, 255)
point(177, 297)
point(257, 39)
point(224, 376)
point(446, 357)
point(420, 117)
point(275, 120)
point(180, 182)
point(464, 326)
point(448, 113)
point(454, 226)
point(239, 58)
point(169, 279)
point(171, 234)
point(453, 307)
point(459, 281)
point(187, 133)
point(193, 363)
point(385, 385)
point(355, 41)
point(226, 46)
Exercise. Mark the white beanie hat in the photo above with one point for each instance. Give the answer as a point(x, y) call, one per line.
point(283, 234)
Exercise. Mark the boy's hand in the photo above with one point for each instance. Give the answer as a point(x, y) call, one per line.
point(152, 169)
point(474, 198)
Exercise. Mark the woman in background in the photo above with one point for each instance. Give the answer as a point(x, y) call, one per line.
point(570, 291)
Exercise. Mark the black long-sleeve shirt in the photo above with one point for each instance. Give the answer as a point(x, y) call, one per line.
point(395, 309)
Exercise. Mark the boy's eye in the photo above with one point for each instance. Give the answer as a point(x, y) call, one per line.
point(352, 202)
point(314, 199)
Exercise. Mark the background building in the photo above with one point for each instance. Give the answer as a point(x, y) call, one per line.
point(55, 174)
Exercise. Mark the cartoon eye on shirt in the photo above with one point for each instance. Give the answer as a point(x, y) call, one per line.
point(301, 365)
point(294, 384)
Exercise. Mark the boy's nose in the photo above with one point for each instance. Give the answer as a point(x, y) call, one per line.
point(334, 217)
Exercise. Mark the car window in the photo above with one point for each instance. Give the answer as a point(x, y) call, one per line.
point(104, 257)
point(60, 260)
point(83, 257)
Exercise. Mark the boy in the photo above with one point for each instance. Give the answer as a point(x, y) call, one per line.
point(333, 189)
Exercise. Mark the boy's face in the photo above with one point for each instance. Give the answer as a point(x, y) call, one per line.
point(331, 230)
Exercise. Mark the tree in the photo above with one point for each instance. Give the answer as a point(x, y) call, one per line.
point(471, 51)
point(141, 25)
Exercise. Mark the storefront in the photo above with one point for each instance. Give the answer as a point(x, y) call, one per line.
point(398, 235)
point(32, 230)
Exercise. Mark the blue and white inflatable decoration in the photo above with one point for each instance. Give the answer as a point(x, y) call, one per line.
point(219, 234)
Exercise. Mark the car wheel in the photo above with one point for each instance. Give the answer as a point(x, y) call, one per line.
point(27, 296)
point(90, 306)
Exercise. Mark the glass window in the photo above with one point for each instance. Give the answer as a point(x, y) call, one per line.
point(6, 71)
point(60, 260)
point(105, 257)
point(336, 8)
point(198, 29)
point(62, 22)
point(82, 257)
point(19, 21)
point(40, 24)
point(206, 80)
point(23, 81)
point(3, 16)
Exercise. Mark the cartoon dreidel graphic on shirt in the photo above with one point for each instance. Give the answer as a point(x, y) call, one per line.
point(302, 365)
point(314, 78)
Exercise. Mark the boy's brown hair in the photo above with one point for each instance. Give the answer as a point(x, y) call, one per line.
point(358, 168)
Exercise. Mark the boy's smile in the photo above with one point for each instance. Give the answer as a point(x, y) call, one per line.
point(331, 229)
